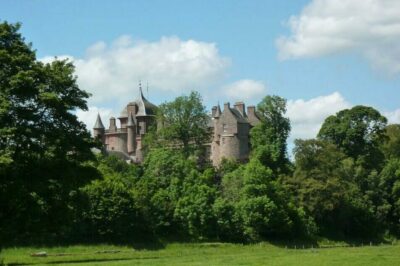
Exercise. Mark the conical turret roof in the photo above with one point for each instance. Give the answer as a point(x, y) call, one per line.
point(99, 123)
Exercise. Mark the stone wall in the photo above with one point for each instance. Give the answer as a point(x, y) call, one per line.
point(116, 141)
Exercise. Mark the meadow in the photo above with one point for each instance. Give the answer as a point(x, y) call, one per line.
point(206, 254)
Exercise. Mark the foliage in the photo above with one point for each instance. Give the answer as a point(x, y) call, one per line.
point(390, 187)
point(184, 121)
point(325, 186)
point(391, 145)
point(263, 205)
point(109, 210)
point(44, 149)
point(358, 132)
point(193, 209)
point(268, 138)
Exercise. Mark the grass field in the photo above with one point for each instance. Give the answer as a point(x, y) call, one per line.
point(205, 254)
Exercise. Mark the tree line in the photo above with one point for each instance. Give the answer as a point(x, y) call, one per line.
point(343, 184)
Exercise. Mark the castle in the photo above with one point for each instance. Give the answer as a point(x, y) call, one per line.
point(230, 129)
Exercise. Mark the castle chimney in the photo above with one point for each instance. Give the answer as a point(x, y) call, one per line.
point(113, 125)
point(131, 128)
point(213, 111)
point(251, 110)
point(252, 116)
point(240, 107)
point(226, 106)
point(132, 108)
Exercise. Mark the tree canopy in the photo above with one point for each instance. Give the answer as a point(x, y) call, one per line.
point(184, 122)
point(358, 132)
point(37, 101)
point(43, 147)
point(269, 137)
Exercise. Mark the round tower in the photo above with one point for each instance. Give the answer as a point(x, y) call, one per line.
point(131, 128)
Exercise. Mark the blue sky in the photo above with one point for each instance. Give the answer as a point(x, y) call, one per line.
point(322, 55)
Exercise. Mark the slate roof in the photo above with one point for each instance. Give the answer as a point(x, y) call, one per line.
point(239, 117)
point(99, 123)
point(145, 108)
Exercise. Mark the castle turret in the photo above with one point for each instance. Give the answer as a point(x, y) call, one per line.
point(131, 128)
point(113, 125)
point(98, 129)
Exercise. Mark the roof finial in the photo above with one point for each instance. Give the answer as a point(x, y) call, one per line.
point(147, 87)
point(140, 88)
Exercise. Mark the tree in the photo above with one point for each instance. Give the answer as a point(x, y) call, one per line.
point(194, 207)
point(390, 187)
point(44, 149)
point(109, 210)
point(325, 186)
point(264, 205)
point(358, 132)
point(318, 178)
point(253, 204)
point(268, 138)
point(391, 145)
point(184, 121)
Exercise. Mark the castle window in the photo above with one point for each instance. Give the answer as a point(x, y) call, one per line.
point(224, 128)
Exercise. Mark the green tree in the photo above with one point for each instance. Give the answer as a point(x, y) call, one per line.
point(176, 197)
point(390, 187)
point(160, 188)
point(184, 122)
point(325, 185)
point(268, 138)
point(108, 207)
point(194, 207)
point(264, 205)
point(253, 202)
point(358, 132)
point(391, 146)
point(44, 149)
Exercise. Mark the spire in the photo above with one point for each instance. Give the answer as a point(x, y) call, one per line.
point(140, 89)
point(99, 123)
point(131, 122)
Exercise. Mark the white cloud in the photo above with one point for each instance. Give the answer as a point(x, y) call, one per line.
point(393, 116)
point(244, 90)
point(368, 27)
point(112, 72)
point(89, 117)
point(307, 116)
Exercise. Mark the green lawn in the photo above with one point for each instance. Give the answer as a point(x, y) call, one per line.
point(205, 254)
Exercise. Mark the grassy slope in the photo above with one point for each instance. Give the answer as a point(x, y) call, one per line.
point(207, 254)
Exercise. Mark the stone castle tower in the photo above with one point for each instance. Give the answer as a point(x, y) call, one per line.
point(230, 131)
point(126, 141)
